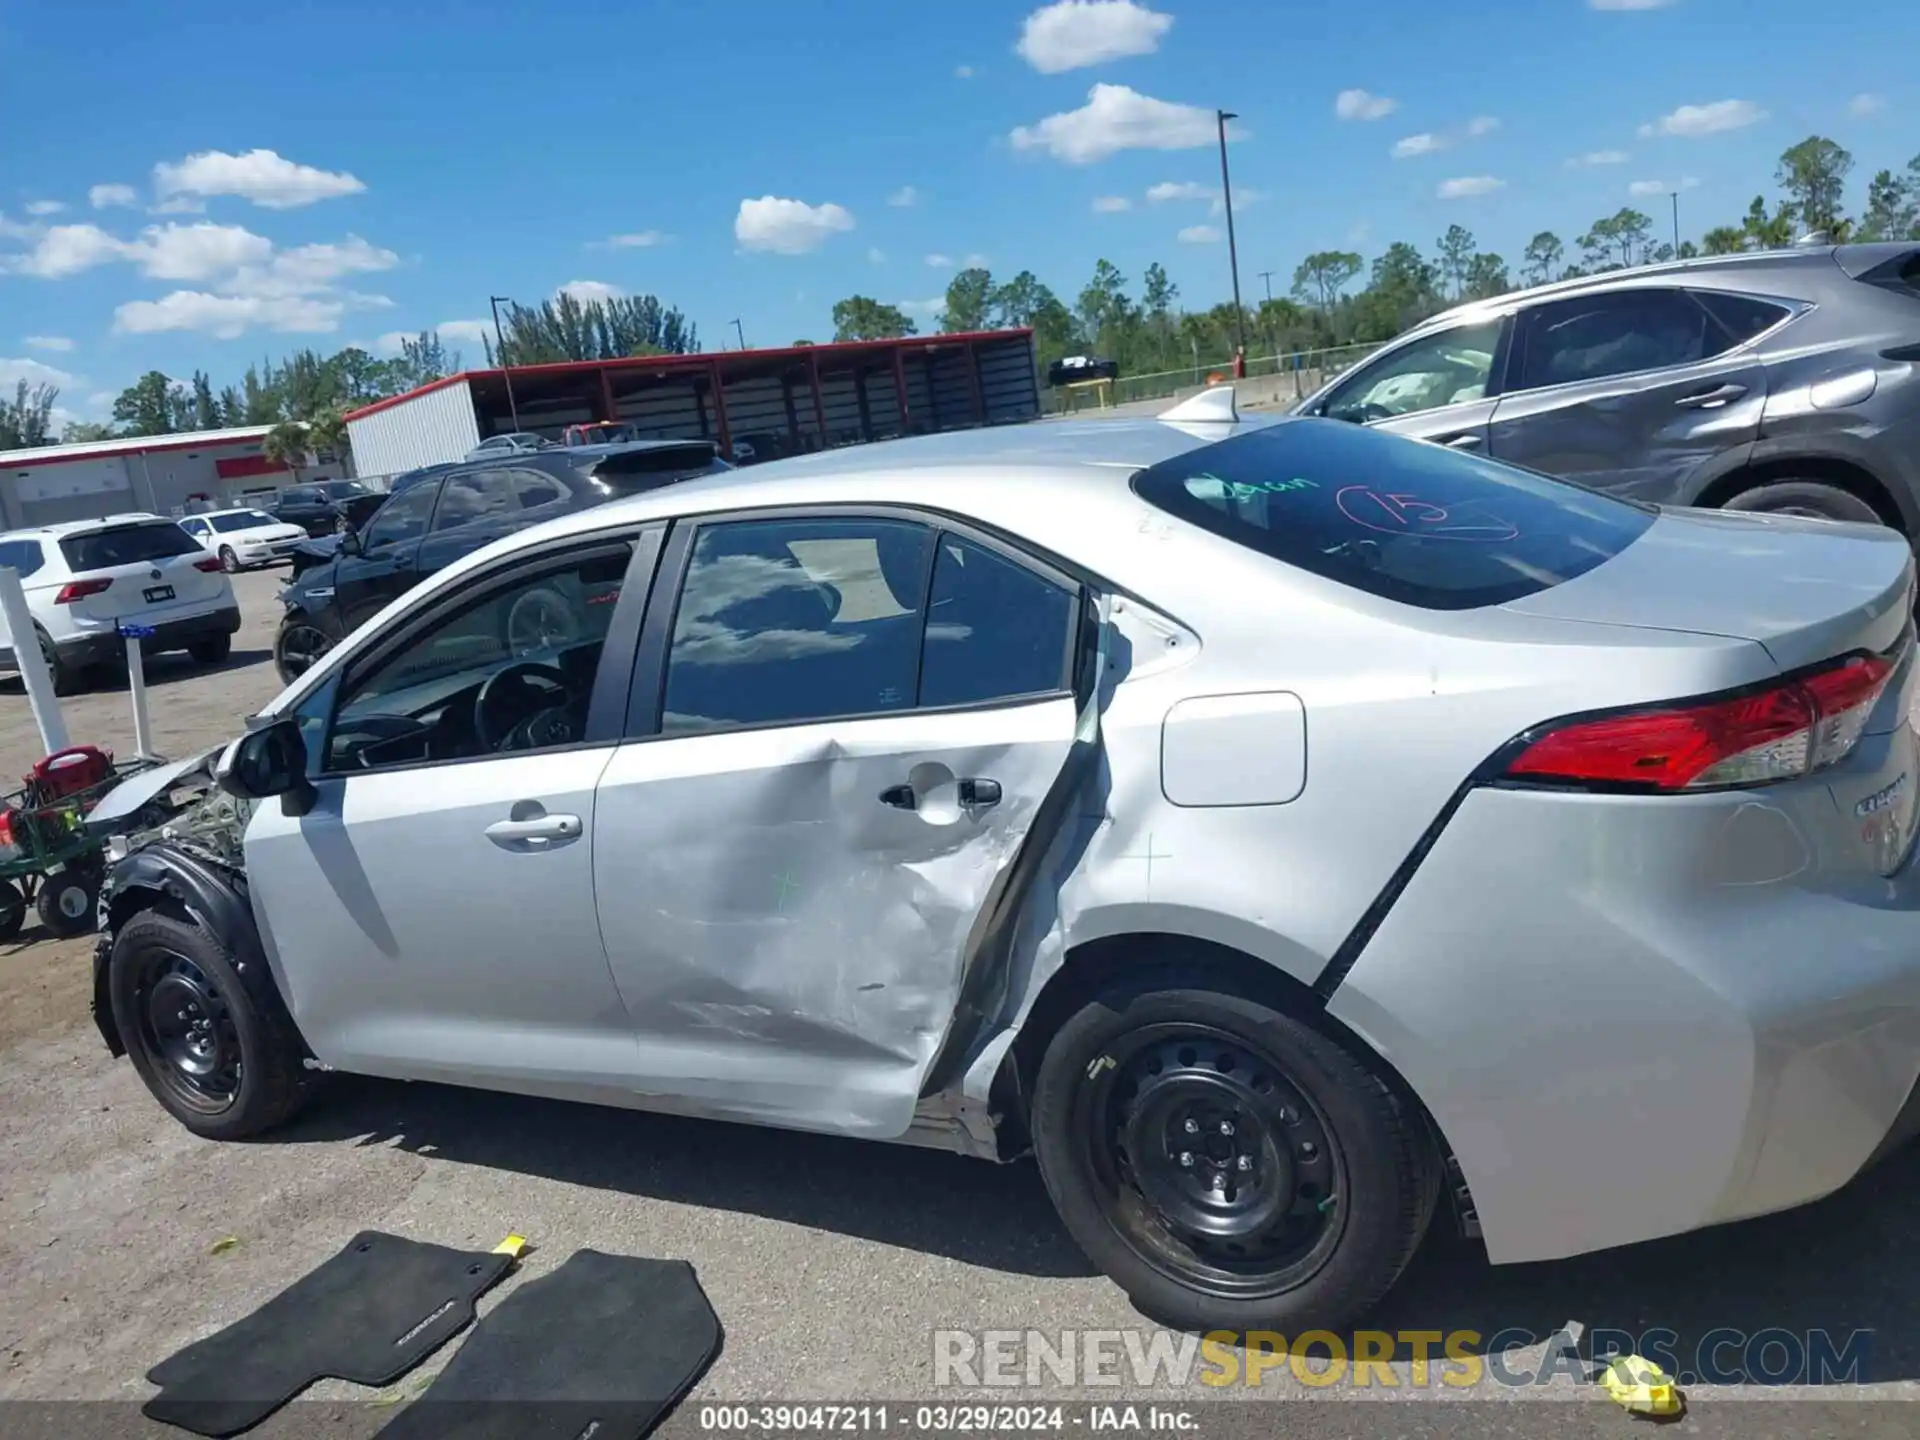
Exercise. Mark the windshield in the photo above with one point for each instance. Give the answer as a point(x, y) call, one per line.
point(241, 520)
point(127, 545)
point(1400, 518)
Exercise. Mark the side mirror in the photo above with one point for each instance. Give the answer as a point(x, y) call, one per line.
point(265, 762)
point(350, 541)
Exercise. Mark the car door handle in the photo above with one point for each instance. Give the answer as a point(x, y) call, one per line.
point(979, 794)
point(540, 833)
point(1711, 399)
point(900, 797)
point(1469, 441)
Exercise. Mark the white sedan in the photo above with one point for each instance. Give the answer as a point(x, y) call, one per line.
point(243, 537)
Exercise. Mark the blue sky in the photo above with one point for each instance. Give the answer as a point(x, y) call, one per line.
point(240, 180)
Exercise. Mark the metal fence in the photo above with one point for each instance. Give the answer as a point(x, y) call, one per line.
point(1295, 374)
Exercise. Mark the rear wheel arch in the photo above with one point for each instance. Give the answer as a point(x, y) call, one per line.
point(1205, 964)
point(1844, 475)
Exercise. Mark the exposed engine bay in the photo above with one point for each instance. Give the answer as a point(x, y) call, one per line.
point(178, 803)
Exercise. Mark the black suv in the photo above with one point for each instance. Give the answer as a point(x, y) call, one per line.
point(449, 511)
point(323, 507)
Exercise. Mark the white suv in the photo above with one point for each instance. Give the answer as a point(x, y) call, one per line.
point(240, 538)
point(86, 578)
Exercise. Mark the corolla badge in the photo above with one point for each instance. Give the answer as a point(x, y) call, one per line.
point(1882, 798)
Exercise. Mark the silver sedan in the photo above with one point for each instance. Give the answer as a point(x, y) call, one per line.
point(1284, 831)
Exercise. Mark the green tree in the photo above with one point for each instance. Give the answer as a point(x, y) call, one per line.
point(1456, 249)
point(233, 412)
point(1600, 246)
point(1769, 231)
point(260, 396)
point(1403, 288)
point(1103, 309)
point(1543, 255)
point(568, 328)
point(286, 445)
point(85, 432)
point(26, 421)
point(148, 406)
point(1724, 240)
point(1893, 206)
point(1319, 279)
point(969, 301)
point(859, 318)
point(327, 435)
point(1157, 293)
point(206, 411)
point(1487, 277)
point(1814, 176)
point(1632, 232)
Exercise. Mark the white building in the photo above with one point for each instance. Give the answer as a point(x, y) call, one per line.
point(165, 474)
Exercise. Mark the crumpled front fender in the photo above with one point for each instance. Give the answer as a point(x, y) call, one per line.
point(167, 873)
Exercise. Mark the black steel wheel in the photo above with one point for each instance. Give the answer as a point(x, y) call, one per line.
point(299, 643)
point(66, 901)
point(221, 1056)
point(13, 910)
point(1230, 1166)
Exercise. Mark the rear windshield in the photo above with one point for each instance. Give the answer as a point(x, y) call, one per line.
point(242, 520)
point(127, 545)
point(635, 470)
point(1404, 519)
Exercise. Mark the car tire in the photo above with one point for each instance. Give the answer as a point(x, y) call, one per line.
point(229, 561)
point(13, 910)
point(1309, 1230)
point(222, 1058)
point(1807, 497)
point(213, 650)
point(299, 642)
point(66, 902)
point(68, 677)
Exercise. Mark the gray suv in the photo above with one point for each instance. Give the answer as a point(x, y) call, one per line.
point(1785, 381)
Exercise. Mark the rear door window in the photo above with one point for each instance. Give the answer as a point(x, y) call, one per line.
point(1398, 518)
point(1618, 332)
point(21, 556)
point(127, 545)
point(1742, 316)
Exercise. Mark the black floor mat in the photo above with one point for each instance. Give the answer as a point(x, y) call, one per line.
point(606, 1345)
point(370, 1314)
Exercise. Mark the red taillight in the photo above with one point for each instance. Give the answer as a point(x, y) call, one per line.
point(210, 564)
point(1778, 734)
point(79, 590)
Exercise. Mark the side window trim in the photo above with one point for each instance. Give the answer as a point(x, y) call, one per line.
point(616, 654)
point(647, 694)
point(435, 486)
point(1790, 310)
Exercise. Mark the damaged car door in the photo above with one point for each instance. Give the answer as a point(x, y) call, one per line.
point(432, 912)
point(843, 726)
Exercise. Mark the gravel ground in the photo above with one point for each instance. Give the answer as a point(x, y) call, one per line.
point(830, 1262)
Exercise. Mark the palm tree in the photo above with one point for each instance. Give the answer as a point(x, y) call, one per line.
point(286, 444)
point(327, 434)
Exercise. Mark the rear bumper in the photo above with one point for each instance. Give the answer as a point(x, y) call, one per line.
point(1633, 1017)
point(105, 646)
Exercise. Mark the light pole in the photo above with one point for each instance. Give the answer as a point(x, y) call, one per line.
point(1221, 117)
point(741, 333)
point(500, 354)
point(1675, 197)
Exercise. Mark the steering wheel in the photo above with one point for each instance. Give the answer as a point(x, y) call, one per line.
point(530, 722)
point(1367, 412)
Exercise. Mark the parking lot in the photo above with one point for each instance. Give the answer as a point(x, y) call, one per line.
point(831, 1263)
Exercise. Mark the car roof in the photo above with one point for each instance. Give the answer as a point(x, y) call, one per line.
point(229, 510)
point(59, 529)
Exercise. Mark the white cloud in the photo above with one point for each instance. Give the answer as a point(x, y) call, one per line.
point(66, 250)
point(1468, 186)
point(1693, 121)
point(265, 178)
point(12, 372)
point(101, 196)
point(923, 307)
point(227, 317)
point(1072, 34)
point(179, 205)
point(1198, 235)
point(787, 227)
point(940, 262)
point(1598, 157)
point(469, 332)
point(45, 207)
point(1647, 187)
point(588, 291)
point(876, 256)
point(973, 261)
point(14, 230)
point(1116, 118)
point(308, 269)
point(1482, 125)
point(1111, 204)
point(197, 252)
point(49, 342)
point(1860, 107)
point(1362, 105)
point(1421, 144)
point(637, 240)
point(1243, 197)
point(1178, 190)
point(905, 198)
point(1628, 4)
point(965, 72)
